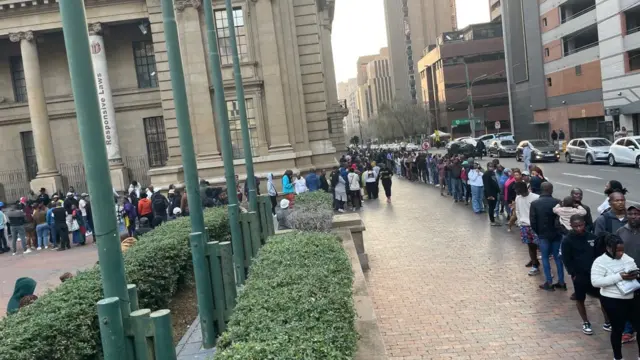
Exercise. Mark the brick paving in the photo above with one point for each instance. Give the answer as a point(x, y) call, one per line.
point(44, 266)
point(445, 285)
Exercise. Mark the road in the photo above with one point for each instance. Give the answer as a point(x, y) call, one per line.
point(446, 285)
point(590, 178)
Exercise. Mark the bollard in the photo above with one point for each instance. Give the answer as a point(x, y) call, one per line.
point(142, 328)
point(228, 278)
point(132, 289)
point(218, 287)
point(111, 329)
point(163, 339)
point(203, 289)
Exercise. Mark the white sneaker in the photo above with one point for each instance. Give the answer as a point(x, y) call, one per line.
point(340, 210)
point(14, 254)
point(39, 248)
point(46, 247)
point(534, 271)
point(27, 251)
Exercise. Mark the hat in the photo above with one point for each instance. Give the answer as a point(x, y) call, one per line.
point(84, 195)
point(632, 206)
point(23, 200)
point(172, 191)
point(177, 211)
point(69, 194)
point(284, 204)
point(525, 173)
point(55, 196)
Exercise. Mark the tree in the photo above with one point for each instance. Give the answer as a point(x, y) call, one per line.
point(355, 140)
point(401, 120)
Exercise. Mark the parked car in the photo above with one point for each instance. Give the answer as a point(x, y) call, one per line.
point(488, 138)
point(625, 151)
point(541, 150)
point(502, 148)
point(589, 150)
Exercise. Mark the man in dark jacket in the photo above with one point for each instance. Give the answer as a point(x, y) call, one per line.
point(613, 219)
point(43, 198)
point(455, 171)
point(491, 191)
point(62, 230)
point(578, 254)
point(577, 194)
point(543, 223)
point(144, 228)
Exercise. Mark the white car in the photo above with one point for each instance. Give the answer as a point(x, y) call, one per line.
point(625, 151)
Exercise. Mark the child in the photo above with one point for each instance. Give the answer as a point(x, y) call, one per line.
point(565, 210)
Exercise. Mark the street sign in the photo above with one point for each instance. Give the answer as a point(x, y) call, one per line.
point(497, 125)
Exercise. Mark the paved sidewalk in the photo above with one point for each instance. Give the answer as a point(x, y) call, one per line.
point(445, 285)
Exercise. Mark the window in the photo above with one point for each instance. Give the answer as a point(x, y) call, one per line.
point(549, 82)
point(156, 136)
point(235, 129)
point(17, 78)
point(224, 43)
point(578, 70)
point(544, 21)
point(634, 60)
point(630, 143)
point(145, 60)
point(546, 52)
point(29, 151)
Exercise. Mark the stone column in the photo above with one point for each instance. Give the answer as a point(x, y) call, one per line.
point(119, 175)
point(48, 176)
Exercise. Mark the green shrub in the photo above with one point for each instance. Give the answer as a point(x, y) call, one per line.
point(63, 324)
point(296, 304)
point(316, 199)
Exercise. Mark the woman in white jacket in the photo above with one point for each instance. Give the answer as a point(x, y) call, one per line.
point(610, 272)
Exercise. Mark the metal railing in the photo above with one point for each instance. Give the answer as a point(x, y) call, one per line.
point(578, 14)
point(13, 185)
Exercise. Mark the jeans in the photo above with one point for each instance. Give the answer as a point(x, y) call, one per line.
point(551, 248)
point(54, 235)
point(87, 226)
point(498, 200)
point(477, 194)
point(43, 235)
point(456, 189)
point(18, 232)
point(3, 241)
point(447, 178)
point(527, 163)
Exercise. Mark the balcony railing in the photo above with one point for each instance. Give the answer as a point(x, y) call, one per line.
point(578, 14)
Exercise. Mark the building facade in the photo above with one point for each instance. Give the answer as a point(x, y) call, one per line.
point(413, 25)
point(294, 115)
point(375, 87)
point(479, 49)
point(348, 92)
point(495, 13)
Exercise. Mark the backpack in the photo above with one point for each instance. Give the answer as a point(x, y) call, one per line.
point(159, 204)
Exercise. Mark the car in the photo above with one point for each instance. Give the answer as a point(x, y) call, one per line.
point(625, 151)
point(502, 148)
point(589, 150)
point(542, 150)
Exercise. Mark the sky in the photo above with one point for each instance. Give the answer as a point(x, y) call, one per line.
point(355, 34)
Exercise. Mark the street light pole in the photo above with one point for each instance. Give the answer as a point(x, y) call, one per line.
point(242, 107)
point(470, 109)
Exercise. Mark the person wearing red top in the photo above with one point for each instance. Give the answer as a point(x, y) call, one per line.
point(144, 208)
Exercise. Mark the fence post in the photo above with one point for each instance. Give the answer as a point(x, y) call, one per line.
point(246, 239)
point(111, 329)
point(254, 226)
point(228, 278)
point(163, 339)
point(215, 269)
point(132, 289)
point(203, 289)
point(141, 327)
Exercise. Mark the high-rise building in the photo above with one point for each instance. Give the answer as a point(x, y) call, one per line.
point(494, 11)
point(348, 92)
point(413, 25)
point(375, 87)
point(478, 51)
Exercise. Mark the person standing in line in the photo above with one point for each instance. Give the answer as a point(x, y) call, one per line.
point(3, 226)
point(52, 226)
point(442, 175)
point(312, 180)
point(370, 180)
point(299, 184)
point(565, 210)
point(82, 205)
point(324, 184)
point(144, 208)
point(477, 189)
point(455, 171)
point(354, 189)
point(526, 156)
point(287, 187)
point(339, 183)
point(129, 215)
point(615, 218)
point(579, 251)
point(272, 192)
point(630, 234)
point(62, 230)
point(17, 220)
point(536, 180)
point(184, 202)
point(522, 205)
point(608, 271)
point(543, 223)
point(42, 228)
point(491, 192)
point(610, 187)
point(30, 225)
point(577, 195)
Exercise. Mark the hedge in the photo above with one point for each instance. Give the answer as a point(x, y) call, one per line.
point(315, 199)
point(296, 304)
point(63, 325)
point(313, 211)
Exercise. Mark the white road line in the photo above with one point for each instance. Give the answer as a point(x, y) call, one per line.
point(608, 170)
point(563, 184)
point(583, 176)
point(595, 192)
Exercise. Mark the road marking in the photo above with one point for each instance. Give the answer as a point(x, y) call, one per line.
point(563, 184)
point(583, 176)
point(608, 170)
point(595, 192)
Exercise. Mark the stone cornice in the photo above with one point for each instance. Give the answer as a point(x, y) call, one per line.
point(180, 5)
point(22, 35)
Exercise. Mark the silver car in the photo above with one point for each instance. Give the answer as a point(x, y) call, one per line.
point(589, 150)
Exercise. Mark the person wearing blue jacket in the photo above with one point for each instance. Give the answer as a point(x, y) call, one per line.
point(287, 187)
point(313, 181)
point(52, 225)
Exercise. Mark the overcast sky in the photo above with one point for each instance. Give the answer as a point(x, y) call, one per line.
point(357, 33)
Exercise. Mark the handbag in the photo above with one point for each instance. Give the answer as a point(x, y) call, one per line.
point(74, 225)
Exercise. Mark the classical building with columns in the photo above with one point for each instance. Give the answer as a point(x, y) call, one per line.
point(294, 115)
